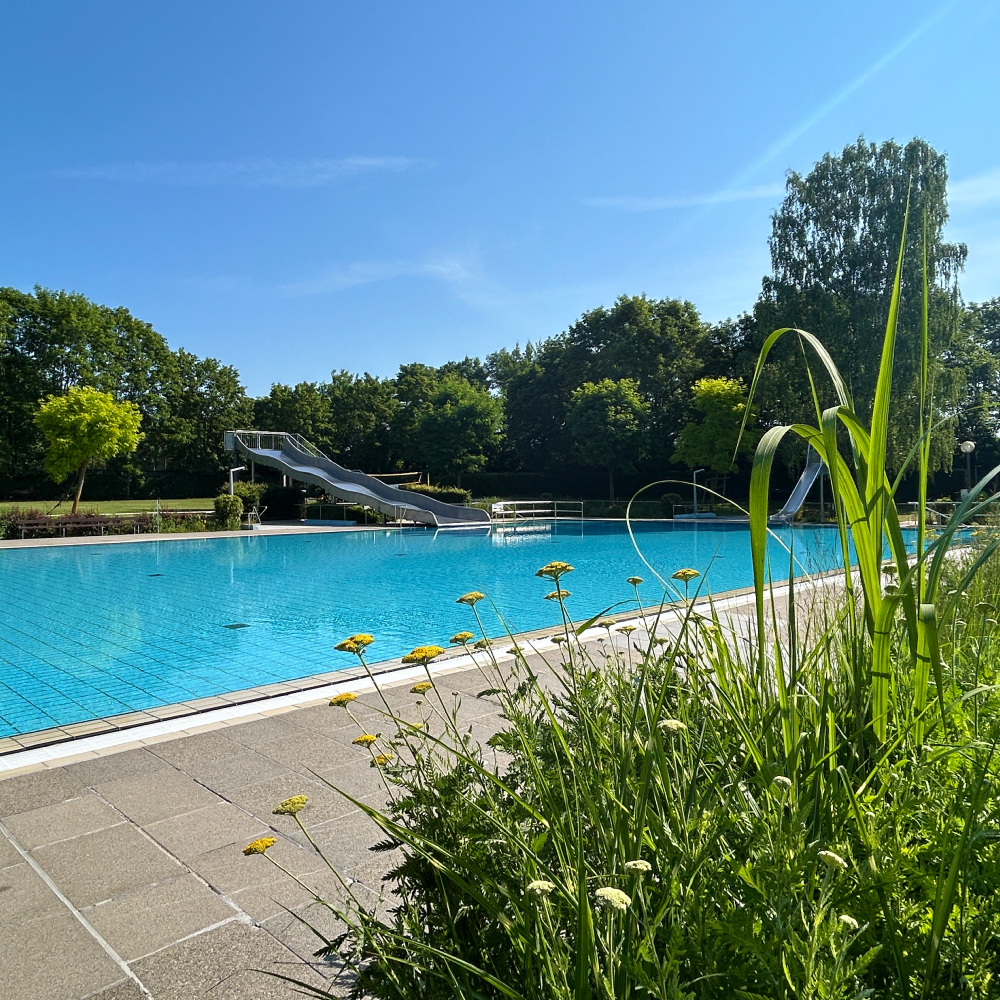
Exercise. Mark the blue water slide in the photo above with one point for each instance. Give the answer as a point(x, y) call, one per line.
point(295, 457)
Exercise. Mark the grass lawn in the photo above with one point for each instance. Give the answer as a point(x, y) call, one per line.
point(111, 506)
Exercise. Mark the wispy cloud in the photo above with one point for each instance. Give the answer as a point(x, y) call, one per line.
point(630, 204)
point(447, 269)
point(246, 172)
point(974, 191)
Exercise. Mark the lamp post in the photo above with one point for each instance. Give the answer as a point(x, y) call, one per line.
point(694, 486)
point(968, 447)
point(239, 468)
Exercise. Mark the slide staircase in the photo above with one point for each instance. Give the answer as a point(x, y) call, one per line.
point(295, 457)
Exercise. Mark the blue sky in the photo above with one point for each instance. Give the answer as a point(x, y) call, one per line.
point(299, 187)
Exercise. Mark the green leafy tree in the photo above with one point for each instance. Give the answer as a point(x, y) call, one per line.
point(834, 245)
point(608, 421)
point(458, 429)
point(714, 441)
point(84, 427)
point(362, 410)
point(659, 343)
point(197, 401)
point(304, 409)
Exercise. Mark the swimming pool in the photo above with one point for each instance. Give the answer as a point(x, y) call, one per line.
point(90, 631)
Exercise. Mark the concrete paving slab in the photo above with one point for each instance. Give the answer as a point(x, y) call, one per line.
point(49, 824)
point(9, 855)
point(270, 898)
point(305, 751)
point(29, 972)
point(145, 921)
point(147, 799)
point(37, 789)
point(258, 732)
point(227, 871)
point(115, 767)
point(196, 749)
point(24, 895)
point(125, 990)
point(346, 841)
point(324, 803)
point(205, 829)
point(102, 865)
point(226, 774)
point(300, 938)
point(230, 963)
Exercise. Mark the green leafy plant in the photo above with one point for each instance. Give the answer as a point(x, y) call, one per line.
point(228, 512)
point(84, 427)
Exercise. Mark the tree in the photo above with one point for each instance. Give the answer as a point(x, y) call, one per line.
point(834, 246)
point(608, 421)
point(659, 343)
point(83, 427)
point(715, 442)
point(458, 429)
point(198, 400)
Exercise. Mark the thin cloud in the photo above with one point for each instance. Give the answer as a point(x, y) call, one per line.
point(974, 191)
point(247, 172)
point(450, 270)
point(629, 204)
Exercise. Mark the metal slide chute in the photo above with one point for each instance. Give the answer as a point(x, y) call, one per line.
point(814, 466)
point(295, 457)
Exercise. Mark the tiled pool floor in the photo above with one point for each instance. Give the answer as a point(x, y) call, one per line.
point(91, 631)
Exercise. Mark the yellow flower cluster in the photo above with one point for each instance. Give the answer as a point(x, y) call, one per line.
point(364, 740)
point(260, 845)
point(423, 654)
point(381, 760)
point(686, 575)
point(292, 806)
point(343, 700)
point(554, 570)
point(355, 643)
point(461, 638)
point(557, 595)
point(470, 598)
point(421, 687)
point(484, 644)
point(634, 580)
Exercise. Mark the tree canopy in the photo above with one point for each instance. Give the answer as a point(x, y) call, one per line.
point(609, 424)
point(834, 245)
point(715, 441)
point(83, 427)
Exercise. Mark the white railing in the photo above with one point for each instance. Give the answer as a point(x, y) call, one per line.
point(270, 441)
point(529, 510)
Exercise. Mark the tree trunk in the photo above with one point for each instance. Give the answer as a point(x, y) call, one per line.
point(79, 487)
point(611, 484)
point(458, 479)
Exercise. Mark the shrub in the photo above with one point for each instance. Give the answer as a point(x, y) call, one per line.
point(228, 511)
point(447, 494)
point(249, 493)
point(668, 501)
point(11, 517)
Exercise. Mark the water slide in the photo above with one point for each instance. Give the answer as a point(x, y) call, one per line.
point(814, 466)
point(295, 457)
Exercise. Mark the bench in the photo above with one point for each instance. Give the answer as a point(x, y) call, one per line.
point(50, 523)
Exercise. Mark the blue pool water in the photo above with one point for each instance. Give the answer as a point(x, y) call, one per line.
point(94, 630)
